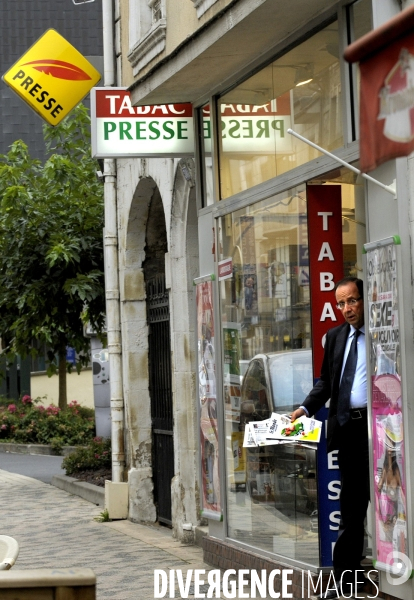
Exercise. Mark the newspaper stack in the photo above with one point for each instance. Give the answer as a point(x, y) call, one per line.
point(279, 429)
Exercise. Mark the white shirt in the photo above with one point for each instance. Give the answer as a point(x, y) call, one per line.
point(359, 388)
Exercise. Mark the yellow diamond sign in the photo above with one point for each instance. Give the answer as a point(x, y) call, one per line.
point(52, 77)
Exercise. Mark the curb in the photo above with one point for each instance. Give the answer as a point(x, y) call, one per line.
point(87, 491)
point(35, 449)
point(200, 532)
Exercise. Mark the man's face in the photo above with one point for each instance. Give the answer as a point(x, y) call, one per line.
point(353, 314)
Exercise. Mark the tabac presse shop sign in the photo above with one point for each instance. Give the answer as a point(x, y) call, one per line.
point(121, 130)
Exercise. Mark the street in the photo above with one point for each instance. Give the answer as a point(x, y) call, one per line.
point(38, 466)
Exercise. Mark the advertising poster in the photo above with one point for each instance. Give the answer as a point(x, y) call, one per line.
point(387, 415)
point(209, 449)
point(239, 457)
point(232, 380)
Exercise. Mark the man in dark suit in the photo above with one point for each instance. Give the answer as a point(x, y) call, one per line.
point(343, 381)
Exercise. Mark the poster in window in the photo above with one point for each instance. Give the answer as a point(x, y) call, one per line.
point(231, 370)
point(209, 447)
point(389, 461)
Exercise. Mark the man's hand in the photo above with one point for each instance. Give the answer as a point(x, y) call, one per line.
point(299, 412)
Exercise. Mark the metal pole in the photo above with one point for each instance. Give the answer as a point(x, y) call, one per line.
point(391, 189)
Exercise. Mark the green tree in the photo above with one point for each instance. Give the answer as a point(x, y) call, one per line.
point(51, 246)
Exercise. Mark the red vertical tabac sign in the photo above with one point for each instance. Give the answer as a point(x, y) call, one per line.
point(325, 262)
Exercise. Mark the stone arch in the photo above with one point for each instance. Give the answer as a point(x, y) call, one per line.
point(183, 268)
point(135, 350)
point(181, 264)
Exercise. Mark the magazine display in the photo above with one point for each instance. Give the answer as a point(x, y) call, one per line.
point(279, 429)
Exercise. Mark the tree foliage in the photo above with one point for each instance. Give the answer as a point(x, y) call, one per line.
point(51, 246)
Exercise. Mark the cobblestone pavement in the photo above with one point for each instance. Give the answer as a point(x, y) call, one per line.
point(55, 529)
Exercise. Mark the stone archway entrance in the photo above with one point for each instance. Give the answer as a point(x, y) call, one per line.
point(158, 333)
point(159, 359)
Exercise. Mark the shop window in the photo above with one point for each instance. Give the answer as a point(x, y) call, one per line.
point(147, 32)
point(272, 499)
point(300, 90)
point(267, 368)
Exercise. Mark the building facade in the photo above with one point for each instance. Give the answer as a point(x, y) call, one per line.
point(226, 269)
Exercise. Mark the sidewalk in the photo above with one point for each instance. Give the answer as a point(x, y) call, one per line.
point(55, 529)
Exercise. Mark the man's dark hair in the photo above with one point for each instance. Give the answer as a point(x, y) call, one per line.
point(358, 282)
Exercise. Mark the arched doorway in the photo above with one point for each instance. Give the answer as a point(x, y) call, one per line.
point(156, 372)
point(159, 358)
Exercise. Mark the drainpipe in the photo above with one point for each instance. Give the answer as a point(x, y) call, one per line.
point(111, 268)
point(108, 42)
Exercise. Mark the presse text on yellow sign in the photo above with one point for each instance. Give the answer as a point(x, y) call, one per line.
point(52, 77)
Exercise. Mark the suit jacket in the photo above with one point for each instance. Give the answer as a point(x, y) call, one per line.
point(328, 385)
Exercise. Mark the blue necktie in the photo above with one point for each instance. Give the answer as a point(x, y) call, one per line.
point(344, 396)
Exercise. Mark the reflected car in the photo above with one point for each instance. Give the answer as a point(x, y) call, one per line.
point(275, 382)
point(284, 476)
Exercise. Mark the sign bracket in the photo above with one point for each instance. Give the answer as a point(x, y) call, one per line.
point(391, 189)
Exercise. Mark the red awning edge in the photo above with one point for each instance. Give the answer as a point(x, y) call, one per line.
point(381, 37)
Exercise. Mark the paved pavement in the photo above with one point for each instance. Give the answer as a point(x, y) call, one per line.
point(55, 529)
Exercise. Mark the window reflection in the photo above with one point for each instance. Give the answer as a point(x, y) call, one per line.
point(272, 490)
point(268, 367)
point(301, 90)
